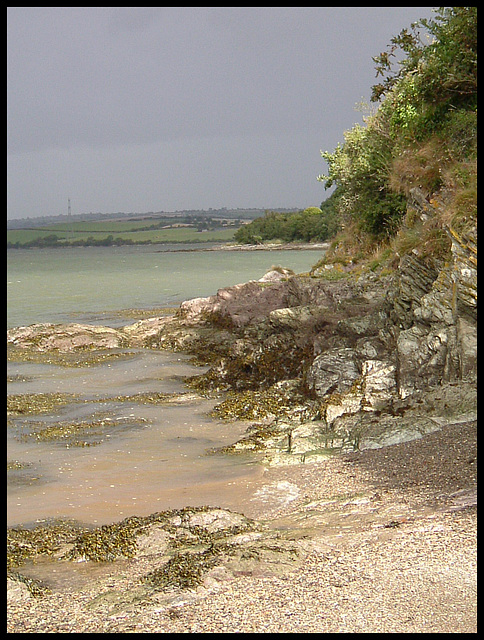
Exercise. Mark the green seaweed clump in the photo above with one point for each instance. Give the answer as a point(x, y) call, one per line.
point(257, 438)
point(279, 401)
point(182, 571)
point(105, 543)
point(76, 359)
point(36, 587)
point(154, 397)
point(29, 403)
point(83, 433)
point(250, 405)
point(43, 540)
point(15, 465)
point(109, 542)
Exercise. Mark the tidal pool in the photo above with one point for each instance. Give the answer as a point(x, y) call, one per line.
point(147, 458)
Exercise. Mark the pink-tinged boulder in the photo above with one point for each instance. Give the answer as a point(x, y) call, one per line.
point(65, 337)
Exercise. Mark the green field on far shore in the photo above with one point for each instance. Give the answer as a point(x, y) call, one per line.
point(116, 232)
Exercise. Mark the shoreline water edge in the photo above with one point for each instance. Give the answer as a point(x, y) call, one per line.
point(361, 403)
point(266, 246)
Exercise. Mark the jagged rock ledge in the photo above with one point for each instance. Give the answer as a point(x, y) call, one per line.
point(367, 359)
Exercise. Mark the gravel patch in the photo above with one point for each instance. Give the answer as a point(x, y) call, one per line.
point(390, 538)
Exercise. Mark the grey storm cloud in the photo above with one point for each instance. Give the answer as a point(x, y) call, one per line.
point(160, 108)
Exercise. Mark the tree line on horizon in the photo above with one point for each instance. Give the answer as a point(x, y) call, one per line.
point(313, 224)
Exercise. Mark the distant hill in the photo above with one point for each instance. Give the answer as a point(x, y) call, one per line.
point(231, 214)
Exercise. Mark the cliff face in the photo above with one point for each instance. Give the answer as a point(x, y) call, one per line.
point(427, 364)
point(433, 309)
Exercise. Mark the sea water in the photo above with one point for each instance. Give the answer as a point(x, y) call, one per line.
point(75, 284)
point(164, 457)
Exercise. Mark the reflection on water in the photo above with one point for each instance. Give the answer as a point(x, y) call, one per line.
point(160, 461)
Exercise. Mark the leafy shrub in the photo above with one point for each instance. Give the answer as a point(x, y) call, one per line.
point(425, 128)
point(312, 224)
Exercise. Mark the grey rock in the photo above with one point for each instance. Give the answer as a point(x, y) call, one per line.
point(294, 318)
point(361, 326)
point(467, 348)
point(421, 356)
point(17, 591)
point(276, 274)
point(364, 431)
point(438, 306)
point(333, 371)
point(414, 279)
point(464, 257)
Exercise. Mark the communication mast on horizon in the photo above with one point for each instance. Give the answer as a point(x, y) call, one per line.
point(70, 230)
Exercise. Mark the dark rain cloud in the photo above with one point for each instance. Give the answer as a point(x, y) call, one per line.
point(161, 108)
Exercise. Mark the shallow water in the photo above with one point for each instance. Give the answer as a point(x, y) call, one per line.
point(160, 458)
point(83, 283)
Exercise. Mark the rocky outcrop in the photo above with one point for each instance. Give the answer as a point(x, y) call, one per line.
point(351, 360)
point(376, 348)
point(433, 310)
point(178, 552)
point(65, 337)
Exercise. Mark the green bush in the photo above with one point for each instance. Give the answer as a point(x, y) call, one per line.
point(314, 224)
point(426, 122)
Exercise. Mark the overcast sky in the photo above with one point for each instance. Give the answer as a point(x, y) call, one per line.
point(137, 109)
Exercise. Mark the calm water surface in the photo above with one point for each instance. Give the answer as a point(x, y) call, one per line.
point(162, 459)
point(58, 285)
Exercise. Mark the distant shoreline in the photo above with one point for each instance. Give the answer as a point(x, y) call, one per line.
point(304, 246)
point(198, 246)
